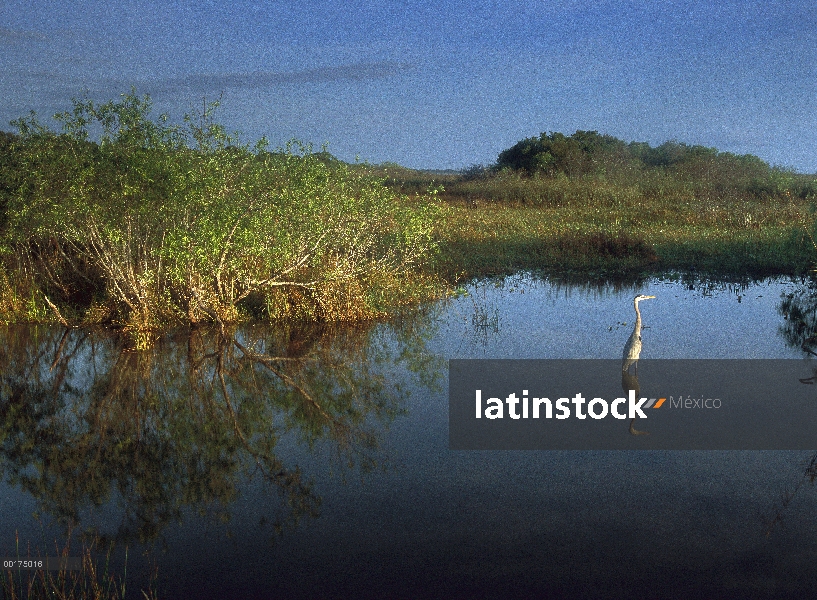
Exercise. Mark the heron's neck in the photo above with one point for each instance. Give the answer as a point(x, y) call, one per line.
point(637, 317)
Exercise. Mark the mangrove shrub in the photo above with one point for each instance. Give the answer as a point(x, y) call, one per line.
point(147, 222)
point(671, 172)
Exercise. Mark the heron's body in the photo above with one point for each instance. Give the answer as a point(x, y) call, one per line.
point(632, 349)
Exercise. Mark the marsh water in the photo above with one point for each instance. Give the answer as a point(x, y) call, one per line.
point(314, 462)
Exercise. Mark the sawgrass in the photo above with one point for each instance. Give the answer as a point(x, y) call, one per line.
point(496, 224)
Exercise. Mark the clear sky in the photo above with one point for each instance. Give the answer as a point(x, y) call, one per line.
point(438, 83)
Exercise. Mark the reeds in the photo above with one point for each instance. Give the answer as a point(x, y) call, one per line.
point(92, 581)
point(621, 224)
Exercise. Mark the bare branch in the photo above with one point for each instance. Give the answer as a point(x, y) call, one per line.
point(56, 311)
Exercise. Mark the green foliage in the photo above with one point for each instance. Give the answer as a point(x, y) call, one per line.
point(700, 214)
point(668, 170)
point(183, 222)
point(553, 153)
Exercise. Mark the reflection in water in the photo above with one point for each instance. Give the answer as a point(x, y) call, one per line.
point(799, 309)
point(484, 314)
point(810, 475)
point(629, 381)
point(443, 524)
point(84, 421)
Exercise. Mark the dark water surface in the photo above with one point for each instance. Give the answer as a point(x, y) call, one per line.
point(310, 463)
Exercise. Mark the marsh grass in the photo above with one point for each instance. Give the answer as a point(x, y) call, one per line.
point(93, 581)
point(618, 226)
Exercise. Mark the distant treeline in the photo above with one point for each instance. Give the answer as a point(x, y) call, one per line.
point(589, 153)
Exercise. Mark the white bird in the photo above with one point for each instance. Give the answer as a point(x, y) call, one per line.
point(632, 349)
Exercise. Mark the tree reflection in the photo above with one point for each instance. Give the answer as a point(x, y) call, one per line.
point(799, 310)
point(84, 421)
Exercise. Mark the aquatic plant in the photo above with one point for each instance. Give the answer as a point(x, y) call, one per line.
point(88, 578)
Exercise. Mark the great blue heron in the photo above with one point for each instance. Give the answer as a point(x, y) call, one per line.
point(632, 349)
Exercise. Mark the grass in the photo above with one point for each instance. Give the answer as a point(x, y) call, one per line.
point(594, 228)
point(156, 225)
point(92, 581)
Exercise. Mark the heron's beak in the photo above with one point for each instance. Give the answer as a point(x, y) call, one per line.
point(647, 297)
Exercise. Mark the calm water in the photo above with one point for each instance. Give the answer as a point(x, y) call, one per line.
point(316, 464)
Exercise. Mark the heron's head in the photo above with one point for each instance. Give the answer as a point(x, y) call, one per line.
point(641, 297)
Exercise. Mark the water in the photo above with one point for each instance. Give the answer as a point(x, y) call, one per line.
point(149, 451)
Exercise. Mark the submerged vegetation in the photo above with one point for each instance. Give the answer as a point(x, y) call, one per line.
point(155, 224)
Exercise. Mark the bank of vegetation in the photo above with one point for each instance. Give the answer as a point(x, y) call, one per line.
point(120, 218)
point(91, 580)
point(593, 205)
point(125, 219)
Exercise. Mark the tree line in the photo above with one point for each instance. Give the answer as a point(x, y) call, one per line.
point(591, 154)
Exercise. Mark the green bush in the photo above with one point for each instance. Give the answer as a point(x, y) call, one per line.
point(158, 222)
point(672, 166)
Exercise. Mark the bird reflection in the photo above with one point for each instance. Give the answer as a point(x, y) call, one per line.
point(632, 351)
point(629, 382)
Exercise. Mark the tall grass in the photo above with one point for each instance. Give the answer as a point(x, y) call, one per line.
point(92, 581)
point(627, 222)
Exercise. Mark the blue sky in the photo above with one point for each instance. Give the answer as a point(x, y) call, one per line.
point(442, 84)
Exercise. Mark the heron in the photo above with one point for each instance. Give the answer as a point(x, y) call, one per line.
point(632, 349)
